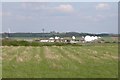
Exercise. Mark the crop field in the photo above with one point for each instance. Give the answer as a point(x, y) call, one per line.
point(87, 61)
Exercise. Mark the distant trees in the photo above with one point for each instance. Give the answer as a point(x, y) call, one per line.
point(53, 34)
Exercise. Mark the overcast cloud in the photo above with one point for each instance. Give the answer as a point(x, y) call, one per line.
point(90, 17)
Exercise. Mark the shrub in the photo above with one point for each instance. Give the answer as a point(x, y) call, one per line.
point(10, 42)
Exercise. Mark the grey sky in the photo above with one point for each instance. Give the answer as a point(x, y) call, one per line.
point(93, 17)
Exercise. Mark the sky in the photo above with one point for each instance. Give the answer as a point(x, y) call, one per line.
point(89, 17)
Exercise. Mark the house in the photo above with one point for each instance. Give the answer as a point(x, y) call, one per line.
point(51, 39)
point(57, 39)
point(44, 40)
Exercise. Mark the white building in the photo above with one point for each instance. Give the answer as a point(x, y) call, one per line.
point(44, 40)
point(57, 37)
point(90, 38)
point(51, 39)
point(73, 37)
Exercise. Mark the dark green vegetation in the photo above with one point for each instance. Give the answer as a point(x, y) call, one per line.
point(87, 61)
point(53, 34)
point(12, 42)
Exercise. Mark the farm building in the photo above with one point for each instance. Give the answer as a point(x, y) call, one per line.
point(51, 39)
point(44, 40)
point(72, 40)
point(90, 38)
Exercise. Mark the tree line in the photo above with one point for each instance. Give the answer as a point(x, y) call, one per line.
point(67, 34)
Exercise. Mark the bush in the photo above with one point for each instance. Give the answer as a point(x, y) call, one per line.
point(34, 44)
point(10, 42)
point(107, 42)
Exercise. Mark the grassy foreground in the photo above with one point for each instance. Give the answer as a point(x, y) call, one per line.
point(88, 61)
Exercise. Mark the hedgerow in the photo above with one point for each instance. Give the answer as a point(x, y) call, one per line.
point(10, 42)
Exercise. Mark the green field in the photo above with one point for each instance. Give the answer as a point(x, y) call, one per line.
point(87, 61)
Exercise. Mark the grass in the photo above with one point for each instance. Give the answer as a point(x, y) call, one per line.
point(0, 63)
point(88, 61)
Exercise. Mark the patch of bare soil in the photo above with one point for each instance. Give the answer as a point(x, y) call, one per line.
point(9, 54)
point(19, 59)
point(109, 56)
point(0, 58)
point(75, 58)
point(71, 55)
point(51, 55)
point(24, 56)
point(56, 66)
point(37, 57)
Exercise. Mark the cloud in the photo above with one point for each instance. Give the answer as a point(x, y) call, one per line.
point(0, 14)
point(21, 17)
point(44, 7)
point(65, 8)
point(93, 18)
point(102, 6)
point(89, 18)
point(41, 7)
point(5, 14)
point(25, 5)
point(34, 6)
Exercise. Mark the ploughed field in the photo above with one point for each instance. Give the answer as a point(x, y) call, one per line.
point(87, 61)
